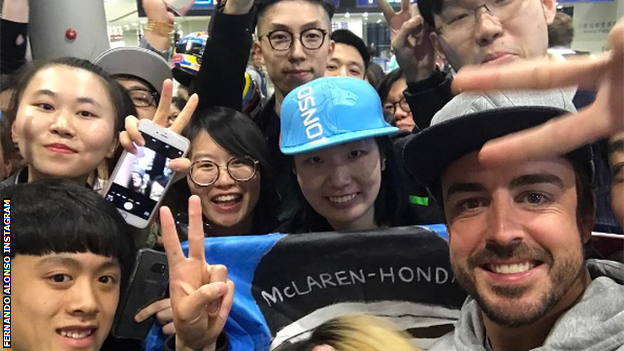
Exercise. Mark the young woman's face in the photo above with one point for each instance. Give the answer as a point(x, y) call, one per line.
point(65, 123)
point(342, 182)
point(228, 203)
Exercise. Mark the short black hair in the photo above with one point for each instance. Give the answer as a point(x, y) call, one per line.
point(390, 204)
point(263, 5)
point(117, 94)
point(240, 136)
point(347, 37)
point(59, 216)
point(386, 84)
point(429, 8)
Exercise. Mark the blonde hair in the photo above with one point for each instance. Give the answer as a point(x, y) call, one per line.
point(361, 333)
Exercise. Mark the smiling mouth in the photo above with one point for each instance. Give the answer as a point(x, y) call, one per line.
point(75, 333)
point(227, 199)
point(514, 268)
point(342, 199)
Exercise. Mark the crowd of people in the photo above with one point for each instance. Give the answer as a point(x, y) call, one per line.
point(517, 151)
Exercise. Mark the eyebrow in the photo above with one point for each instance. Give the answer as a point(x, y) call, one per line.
point(202, 155)
point(82, 100)
point(72, 262)
point(616, 146)
point(313, 24)
point(348, 62)
point(538, 178)
point(465, 188)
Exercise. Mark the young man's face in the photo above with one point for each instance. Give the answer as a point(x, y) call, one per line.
point(297, 65)
point(346, 62)
point(515, 245)
point(63, 301)
point(515, 29)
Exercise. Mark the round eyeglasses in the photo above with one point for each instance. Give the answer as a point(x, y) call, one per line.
point(206, 172)
point(282, 40)
point(392, 106)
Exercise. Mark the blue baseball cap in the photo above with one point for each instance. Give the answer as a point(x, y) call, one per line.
point(331, 111)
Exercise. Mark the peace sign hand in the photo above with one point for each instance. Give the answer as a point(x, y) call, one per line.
point(131, 136)
point(603, 118)
point(201, 294)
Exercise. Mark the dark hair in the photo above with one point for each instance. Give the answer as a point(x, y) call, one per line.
point(347, 37)
point(428, 8)
point(58, 216)
point(239, 135)
point(263, 5)
point(560, 31)
point(6, 82)
point(386, 84)
point(178, 102)
point(116, 93)
point(389, 204)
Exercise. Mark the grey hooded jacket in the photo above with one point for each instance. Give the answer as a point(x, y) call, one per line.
point(595, 323)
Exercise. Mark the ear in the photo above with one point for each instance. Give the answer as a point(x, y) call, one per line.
point(257, 49)
point(383, 162)
point(330, 50)
point(14, 133)
point(435, 40)
point(550, 10)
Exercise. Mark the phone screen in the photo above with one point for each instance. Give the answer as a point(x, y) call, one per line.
point(142, 178)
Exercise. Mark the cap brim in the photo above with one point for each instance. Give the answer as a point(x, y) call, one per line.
point(338, 139)
point(431, 151)
point(137, 62)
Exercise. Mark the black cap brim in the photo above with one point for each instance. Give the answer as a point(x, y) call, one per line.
point(433, 150)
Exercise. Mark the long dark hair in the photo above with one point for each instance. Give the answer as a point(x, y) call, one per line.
point(239, 135)
point(389, 204)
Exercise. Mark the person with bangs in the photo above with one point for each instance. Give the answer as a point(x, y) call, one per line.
point(64, 116)
point(231, 172)
point(71, 256)
point(345, 176)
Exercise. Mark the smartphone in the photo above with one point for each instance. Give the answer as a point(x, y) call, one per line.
point(139, 182)
point(148, 283)
point(179, 7)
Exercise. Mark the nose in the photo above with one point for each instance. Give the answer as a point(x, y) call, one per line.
point(224, 180)
point(340, 177)
point(504, 226)
point(62, 125)
point(344, 72)
point(489, 28)
point(297, 51)
point(83, 300)
point(400, 113)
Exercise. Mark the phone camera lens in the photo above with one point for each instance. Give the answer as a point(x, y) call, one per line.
point(159, 268)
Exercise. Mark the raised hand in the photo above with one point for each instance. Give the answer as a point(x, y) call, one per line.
point(237, 7)
point(201, 294)
point(156, 10)
point(605, 117)
point(131, 136)
point(394, 19)
point(411, 41)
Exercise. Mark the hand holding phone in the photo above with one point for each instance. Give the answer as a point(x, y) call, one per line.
point(131, 136)
point(201, 294)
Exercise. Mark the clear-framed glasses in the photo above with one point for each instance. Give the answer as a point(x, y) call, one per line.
point(459, 22)
point(206, 172)
point(143, 98)
point(282, 40)
point(392, 106)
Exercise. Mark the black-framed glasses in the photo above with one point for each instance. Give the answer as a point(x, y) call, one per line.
point(143, 98)
point(392, 106)
point(206, 172)
point(460, 22)
point(282, 39)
